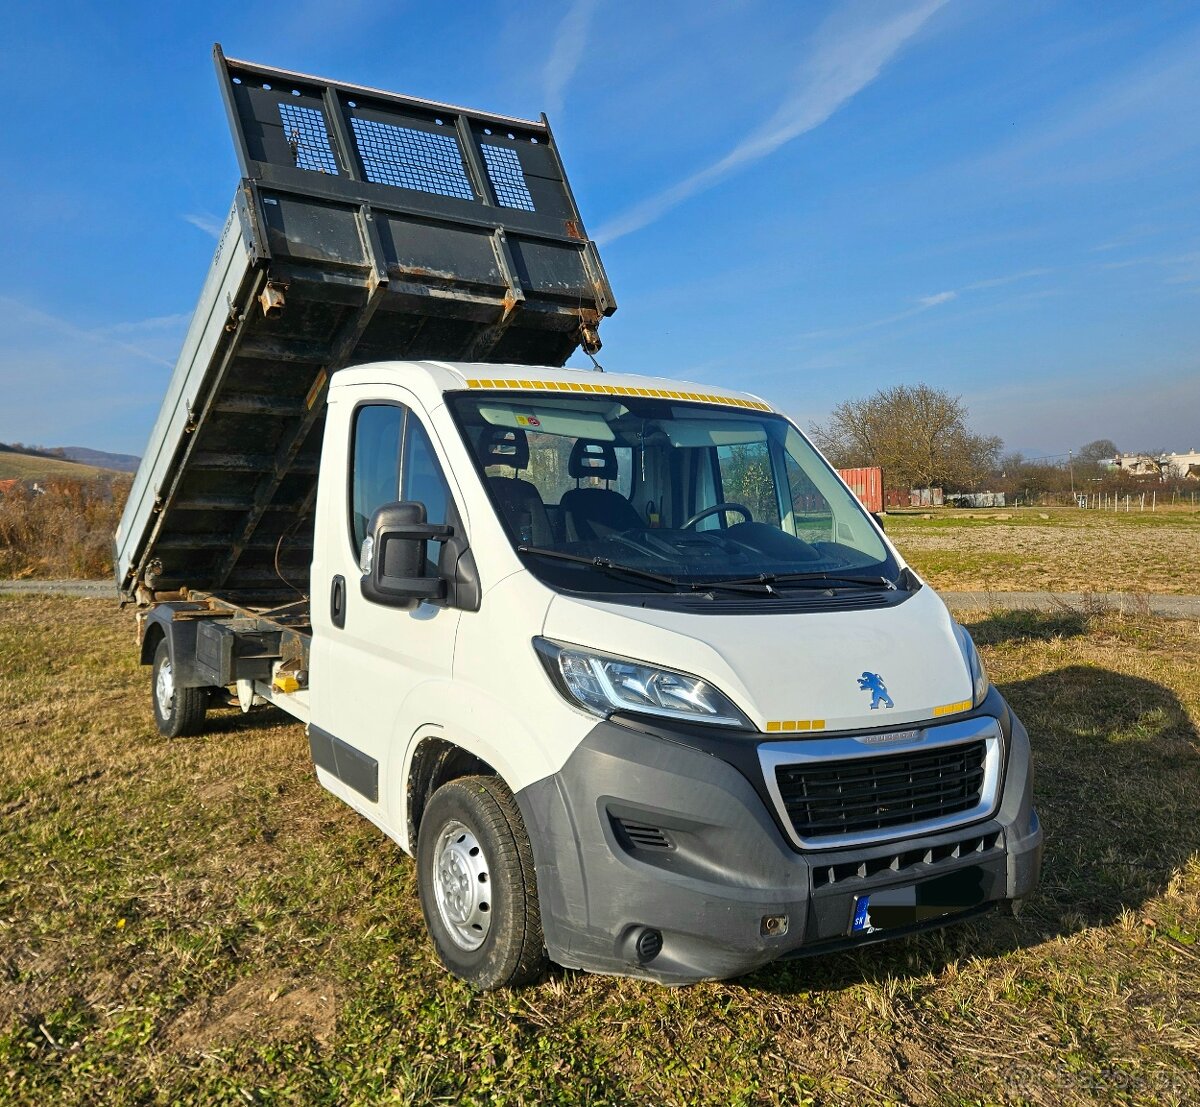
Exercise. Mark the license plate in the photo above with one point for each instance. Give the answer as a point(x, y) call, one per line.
point(889, 908)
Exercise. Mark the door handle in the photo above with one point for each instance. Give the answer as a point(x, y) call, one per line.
point(337, 601)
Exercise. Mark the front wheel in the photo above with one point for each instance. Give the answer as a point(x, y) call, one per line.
point(476, 880)
point(177, 711)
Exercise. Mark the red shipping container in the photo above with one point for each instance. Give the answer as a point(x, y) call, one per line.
point(867, 485)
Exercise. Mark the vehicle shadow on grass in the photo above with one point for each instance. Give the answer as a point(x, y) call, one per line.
point(1117, 788)
point(999, 627)
point(223, 719)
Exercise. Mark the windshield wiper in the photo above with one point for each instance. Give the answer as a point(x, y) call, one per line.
point(606, 565)
point(813, 580)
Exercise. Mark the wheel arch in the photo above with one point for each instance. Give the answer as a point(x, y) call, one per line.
point(181, 642)
point(155, 633)
point(436, 761)
point(449, 714)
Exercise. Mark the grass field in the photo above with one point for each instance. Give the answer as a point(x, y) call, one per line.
point(32, 467)
point(1056, 549)
point(197, 922)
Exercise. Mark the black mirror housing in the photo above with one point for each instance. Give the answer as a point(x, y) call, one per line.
point(394, 556)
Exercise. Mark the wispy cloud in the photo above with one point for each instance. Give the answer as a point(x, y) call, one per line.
point(64, 328)
point(566, 54)
point(850, 50)
point(154, 325)
point(1011, 278)
point(1121, 124)
point(209, 224)
point(1165, 261)
point(99, 386)
point(923, 304)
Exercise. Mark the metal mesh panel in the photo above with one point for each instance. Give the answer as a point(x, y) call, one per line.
point(508, 179)
point(304, 129)
point(409, 158)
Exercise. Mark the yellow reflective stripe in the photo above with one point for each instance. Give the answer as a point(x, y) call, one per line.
point(795, 724)
point(600, 389)
point(952, 708)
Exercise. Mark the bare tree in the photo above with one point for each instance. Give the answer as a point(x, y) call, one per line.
point(918, 435)
point(1102, 449)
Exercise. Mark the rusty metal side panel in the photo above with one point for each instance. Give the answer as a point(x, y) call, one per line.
point(867, 484)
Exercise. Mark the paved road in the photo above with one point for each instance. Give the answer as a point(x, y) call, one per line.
point(1172, 607)
point(102, 588)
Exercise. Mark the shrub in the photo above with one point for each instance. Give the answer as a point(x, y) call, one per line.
point(60, 528)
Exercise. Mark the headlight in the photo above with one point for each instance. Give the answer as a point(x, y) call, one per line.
point(603, 683)
point(979, 677)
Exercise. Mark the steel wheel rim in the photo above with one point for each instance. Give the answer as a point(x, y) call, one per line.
point(164, 688)
point(462, 886)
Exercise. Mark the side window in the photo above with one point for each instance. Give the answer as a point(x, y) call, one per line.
point(380, 476)
point(811, 513)
point(746, 479)
point(375, 464)
point(421, 479)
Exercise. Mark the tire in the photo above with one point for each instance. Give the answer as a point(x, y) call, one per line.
point(477, 885)
point(178, 712)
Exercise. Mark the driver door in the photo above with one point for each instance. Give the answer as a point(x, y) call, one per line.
point(368, 658)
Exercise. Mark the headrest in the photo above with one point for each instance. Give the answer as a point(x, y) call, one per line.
point(504, 446)
point(592, 459)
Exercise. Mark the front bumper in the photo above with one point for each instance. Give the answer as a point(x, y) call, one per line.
point(642, 831)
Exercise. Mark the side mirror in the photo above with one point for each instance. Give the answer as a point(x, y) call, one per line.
point(878, 517)
point(393, 557)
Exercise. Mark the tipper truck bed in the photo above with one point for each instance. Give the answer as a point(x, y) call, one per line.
point(620, 661)
point(366, 226)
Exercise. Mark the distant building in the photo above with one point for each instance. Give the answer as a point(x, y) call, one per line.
point(1166, 466)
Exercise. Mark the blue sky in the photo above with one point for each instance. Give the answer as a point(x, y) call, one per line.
point(809, 200)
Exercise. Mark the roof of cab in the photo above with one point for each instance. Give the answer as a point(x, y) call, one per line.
point(463, 376)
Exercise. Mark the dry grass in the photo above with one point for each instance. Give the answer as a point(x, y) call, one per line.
point(197, 922)
point(64, 533)
point(34, 467)
point(1063, 550)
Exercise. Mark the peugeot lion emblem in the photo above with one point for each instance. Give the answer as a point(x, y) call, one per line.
point(873, 683)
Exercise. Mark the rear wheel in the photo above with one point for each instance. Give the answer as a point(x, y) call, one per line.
point(178, 712)
point(478, 890)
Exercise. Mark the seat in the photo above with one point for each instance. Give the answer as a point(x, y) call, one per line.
point(519, 501)
point(591, 513)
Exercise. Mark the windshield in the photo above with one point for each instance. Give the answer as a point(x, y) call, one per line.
point(680, 494)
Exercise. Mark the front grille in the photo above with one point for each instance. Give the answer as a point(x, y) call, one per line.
point(864, 794)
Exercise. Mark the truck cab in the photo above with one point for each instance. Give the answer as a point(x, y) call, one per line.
point(733, 724)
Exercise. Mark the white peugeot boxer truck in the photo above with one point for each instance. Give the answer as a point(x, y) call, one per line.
point(620, 661)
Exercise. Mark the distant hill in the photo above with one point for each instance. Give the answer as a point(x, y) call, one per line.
point(39, 465)
point(124, 463)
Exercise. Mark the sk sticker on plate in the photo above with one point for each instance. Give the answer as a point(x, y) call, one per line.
point(862, 916)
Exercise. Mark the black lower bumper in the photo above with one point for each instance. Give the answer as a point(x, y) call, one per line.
point(639, 837)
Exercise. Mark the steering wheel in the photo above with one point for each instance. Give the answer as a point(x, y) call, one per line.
point(741, 509)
